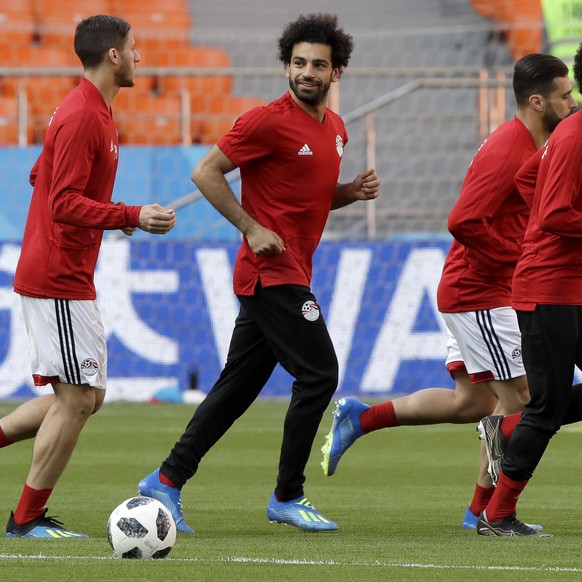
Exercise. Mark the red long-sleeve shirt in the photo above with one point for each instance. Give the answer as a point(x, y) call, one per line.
point(488, 223)
point(71, 205)
point(525, 179)
point(550, 268)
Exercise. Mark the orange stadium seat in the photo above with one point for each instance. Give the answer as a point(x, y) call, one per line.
point(9, 122)
point(203, 57)
point(147, 119)
point(156, 25)
point(43, 92)
point(17, 23)
point(57, 19)
point(17, 6)
point(211, 126)
point(120, 7)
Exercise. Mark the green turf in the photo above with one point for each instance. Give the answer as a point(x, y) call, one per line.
point(398, 496)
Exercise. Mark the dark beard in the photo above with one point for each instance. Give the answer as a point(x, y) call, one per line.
point(124, 78)
point(551, 120)
point(309, 97)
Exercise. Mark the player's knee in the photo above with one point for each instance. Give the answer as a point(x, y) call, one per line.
point(523, 398)
point(327, 379)
point(473, 409)
point(99, 399)
point(97, 407)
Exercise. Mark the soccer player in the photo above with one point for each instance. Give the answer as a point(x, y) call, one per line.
point(474, 294)
point(547, 296)
point(70, 208)
point(289, 155)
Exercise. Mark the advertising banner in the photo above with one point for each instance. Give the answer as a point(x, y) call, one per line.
point(168, 309)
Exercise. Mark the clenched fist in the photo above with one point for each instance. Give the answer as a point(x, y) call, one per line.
point(156, 219)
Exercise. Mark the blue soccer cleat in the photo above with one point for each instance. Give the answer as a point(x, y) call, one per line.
point(299, 513)
point(41, 527)
point(470, 521)
point(151, 486)
point(345, 430)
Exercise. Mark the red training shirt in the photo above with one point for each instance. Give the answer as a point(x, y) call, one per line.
point(550, 268)
point(488, 223)
point(71, 203)
point(289, 164)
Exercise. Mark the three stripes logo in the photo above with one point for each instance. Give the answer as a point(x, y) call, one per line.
point(305, 151)
point(59, 533)
point(309, 516)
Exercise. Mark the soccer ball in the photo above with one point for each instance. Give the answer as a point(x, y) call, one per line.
point(141, 528)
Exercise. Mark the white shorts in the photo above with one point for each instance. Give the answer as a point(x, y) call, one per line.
point(67, 341)
point(487, 342)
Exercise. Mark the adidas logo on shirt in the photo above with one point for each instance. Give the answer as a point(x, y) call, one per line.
point(305, 151)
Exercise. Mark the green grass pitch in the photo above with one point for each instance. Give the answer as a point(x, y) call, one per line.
point(398, 497)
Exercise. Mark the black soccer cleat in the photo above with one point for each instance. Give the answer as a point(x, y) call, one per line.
point(509, 526)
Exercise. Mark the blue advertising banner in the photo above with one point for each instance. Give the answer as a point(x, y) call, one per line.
point(168, 308)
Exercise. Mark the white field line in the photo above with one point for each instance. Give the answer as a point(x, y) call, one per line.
point(298, 562)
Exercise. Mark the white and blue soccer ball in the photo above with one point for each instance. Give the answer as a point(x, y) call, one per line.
point(141, 528)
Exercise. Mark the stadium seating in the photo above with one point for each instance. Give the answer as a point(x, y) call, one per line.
point(57, 19)
point(146, 119)
point(9, 120)
point(39, 34)
point(195, 56)
point(41, 93)
point(223, 113)
point(17, 23)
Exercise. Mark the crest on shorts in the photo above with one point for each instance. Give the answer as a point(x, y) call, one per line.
point(310, 310)
point(516, 355)
point(89, 367)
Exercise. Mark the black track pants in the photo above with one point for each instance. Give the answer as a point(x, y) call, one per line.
point(280, 324)
point(552, 347)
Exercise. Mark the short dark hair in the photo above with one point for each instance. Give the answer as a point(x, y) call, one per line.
point(317, 28)
point(577, 68)
point(95, 35)
point(535, 74)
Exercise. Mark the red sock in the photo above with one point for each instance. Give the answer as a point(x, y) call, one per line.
point(504, 501)
point(481, 498)
point(31, 505)
point(166, 481)
point(4, 440)
point(378, 416)
point(509, 423)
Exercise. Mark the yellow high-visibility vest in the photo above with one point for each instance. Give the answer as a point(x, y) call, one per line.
point(563, 25)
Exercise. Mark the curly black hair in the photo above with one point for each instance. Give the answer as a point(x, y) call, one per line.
point(317, 28)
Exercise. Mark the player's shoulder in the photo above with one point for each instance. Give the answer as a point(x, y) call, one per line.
point(263, 118)
point(509, 140)
point(509, 129)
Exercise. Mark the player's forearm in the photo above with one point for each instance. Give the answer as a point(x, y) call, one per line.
point(74, 209)
point(216, 190)
point(345, 194)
